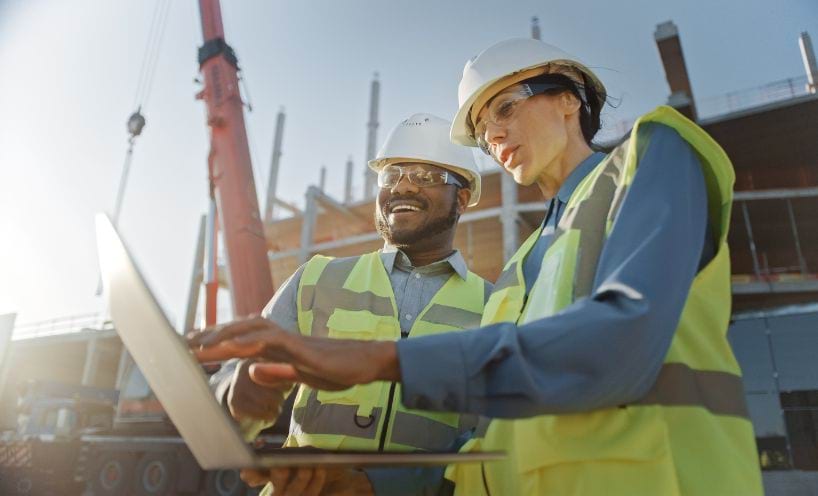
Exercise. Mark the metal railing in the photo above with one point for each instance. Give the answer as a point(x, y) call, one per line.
point(748, 98)
point(715, 106)
point(61, 325)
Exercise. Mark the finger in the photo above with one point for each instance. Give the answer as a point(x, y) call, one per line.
point(247, 408)
point(270, 374)
point(267, 343)
point(226, 350)
point(316, 484)
point(253, 477)
point(279, 478)
point(297, 484)
point(221, 332)
point(193, 337)
point(318, 382)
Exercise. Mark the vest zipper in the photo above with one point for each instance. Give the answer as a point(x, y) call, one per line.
point(388, 414)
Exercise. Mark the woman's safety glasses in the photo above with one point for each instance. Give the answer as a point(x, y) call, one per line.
point(418, 174)
point(501, 108)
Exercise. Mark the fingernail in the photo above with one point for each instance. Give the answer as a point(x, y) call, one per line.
point(244, 339)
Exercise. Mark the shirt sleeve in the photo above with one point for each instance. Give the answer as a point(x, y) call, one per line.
point(603, 350)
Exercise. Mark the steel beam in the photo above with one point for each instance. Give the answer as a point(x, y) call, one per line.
point(758, 287)
point(775, 194)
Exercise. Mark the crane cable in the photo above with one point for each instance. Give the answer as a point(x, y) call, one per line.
point(136, 122)
point(148, 68)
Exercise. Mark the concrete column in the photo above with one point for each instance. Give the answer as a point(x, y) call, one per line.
point(808, 55)
point(348, 181)
point(196, 277)
point(272, 182)
point(308, 223)
point(370, 179)
point(8, 414)
point(511, 238)
point(89, 371)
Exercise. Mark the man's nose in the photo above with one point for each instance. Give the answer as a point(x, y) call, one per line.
point(403, 186)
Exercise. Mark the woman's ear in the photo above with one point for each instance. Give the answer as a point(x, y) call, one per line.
point(570, 103)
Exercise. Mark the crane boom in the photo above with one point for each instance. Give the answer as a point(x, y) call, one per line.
point(231, 170)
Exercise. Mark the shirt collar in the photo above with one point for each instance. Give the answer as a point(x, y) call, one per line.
point(577, 175)
point(393, 257)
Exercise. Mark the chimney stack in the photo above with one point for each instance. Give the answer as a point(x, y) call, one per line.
point(809, 61)
point(535, 28)
point(673, 60)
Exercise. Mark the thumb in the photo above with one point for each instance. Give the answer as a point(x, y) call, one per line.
point(272, 374)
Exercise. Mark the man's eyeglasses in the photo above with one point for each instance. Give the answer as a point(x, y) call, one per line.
point(418, 174)
point(500, 109)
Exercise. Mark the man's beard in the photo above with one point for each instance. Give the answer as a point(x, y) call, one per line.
point(406, 238)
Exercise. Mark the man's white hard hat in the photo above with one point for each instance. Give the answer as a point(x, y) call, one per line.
point(502, 65)
point(425, 138)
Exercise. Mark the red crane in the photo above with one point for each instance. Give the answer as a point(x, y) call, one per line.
point(231, 174)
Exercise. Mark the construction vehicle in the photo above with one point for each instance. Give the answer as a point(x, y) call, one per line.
point(87, 440)
point(120, 441)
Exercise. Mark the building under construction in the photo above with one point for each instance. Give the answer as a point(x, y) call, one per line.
point(771, 135)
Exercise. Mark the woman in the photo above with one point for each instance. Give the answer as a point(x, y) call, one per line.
point(602, 357)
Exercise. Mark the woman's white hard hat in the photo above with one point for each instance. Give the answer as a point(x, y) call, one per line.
point(500, 66)
point(425, 138)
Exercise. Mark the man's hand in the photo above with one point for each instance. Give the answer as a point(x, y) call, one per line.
point(251, 399)
point(322, 363)
point(311, 481)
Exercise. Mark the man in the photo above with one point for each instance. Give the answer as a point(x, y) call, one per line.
point(417, 285)
point(603, 358)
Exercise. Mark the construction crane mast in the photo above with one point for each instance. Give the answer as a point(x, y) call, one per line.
point(231, 172)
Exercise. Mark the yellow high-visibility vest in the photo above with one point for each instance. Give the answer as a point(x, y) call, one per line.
point(352, 298)
point(691, 434)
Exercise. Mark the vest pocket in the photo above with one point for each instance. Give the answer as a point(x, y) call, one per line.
point(363, 325)
point(360, 324)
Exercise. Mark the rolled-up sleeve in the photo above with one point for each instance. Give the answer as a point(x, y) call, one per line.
point(603, 350)
point(283, 311)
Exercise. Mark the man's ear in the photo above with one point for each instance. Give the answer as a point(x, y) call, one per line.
point(463, 197)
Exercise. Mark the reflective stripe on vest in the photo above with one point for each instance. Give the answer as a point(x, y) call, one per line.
point(721, 393)
point(691, 433)
point(353, 297)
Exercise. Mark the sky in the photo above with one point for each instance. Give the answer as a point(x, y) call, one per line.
point(69, 74)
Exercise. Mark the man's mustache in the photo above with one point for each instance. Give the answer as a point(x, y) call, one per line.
point(387, 205)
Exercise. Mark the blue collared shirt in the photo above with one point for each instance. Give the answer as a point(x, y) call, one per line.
point(603, 350)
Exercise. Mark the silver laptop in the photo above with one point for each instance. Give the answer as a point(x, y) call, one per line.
point(181, 385)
